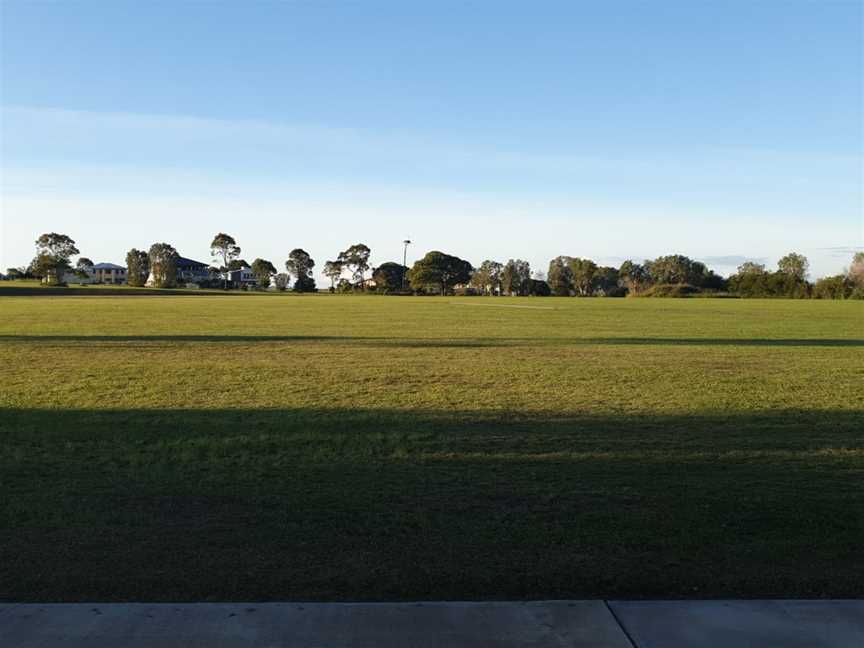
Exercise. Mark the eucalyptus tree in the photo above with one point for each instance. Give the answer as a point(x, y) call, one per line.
point(137, 267)
point(263, 271)
point(443, 271)
point(516, 277)
point(300, 264)
point(795, 266)
point(53, 254)
point(163, 265)
point(356, 260)
point(855, 273)
point(634, 276)
point(389, 277)
point(224, 248)
point(282, 280)
point(333, 271)
point(751, 267)
point(583, 271)
point(487, 278)
point(560, 276)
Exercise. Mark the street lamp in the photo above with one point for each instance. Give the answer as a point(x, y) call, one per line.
point(406, 243)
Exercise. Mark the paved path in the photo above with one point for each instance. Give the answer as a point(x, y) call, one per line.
point(598, 624)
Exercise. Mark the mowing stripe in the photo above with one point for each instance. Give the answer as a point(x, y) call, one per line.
point(505, 306)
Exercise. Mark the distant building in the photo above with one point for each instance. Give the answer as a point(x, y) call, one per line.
point(109, 273)
point(241, 277)
point(189, 271)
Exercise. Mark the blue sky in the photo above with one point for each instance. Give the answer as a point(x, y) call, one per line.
point(723, 130)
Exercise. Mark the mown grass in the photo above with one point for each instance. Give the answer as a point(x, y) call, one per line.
point(347, 448)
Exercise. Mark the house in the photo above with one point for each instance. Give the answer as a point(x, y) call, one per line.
point(190, 271)
point(109, 273)
point(241, 277)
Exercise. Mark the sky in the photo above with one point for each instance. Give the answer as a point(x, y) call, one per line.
point(726, 131)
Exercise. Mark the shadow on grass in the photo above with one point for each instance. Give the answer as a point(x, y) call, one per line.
point(125, 291)
point(439, 342)
point(352, 504)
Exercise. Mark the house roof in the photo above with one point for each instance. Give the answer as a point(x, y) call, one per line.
point(183, 261)
point(108, 266)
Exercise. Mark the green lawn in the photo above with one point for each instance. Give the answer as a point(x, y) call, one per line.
point(324, 447)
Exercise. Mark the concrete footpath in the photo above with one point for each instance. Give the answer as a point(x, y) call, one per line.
point(598, 624)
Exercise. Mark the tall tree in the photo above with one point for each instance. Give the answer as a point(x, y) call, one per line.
point(443, 271)
point(487, 278)
point(697, 274)
point(305, 285)
point(263, 271)
point(855, 273)
point(516, 277)
point(300, 265)
point(560, 276)
point(634, 276)
point(583, 271)
point(83, 267)
point(224, 247)
point(53, 254)
point(356, 260)
point(282, 280)
point(794, 265)
point(607, 282)
point(333, 271)
point(751, 267)
point(836, 287)
point(539, 288)
point(389, 277)
point(137, 267)
point(675, 269)
point(237, 264)
point(163, 265)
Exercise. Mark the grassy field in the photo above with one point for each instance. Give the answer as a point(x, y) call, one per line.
point(346, 448)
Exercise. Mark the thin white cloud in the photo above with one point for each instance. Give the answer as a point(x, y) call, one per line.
point(150, 138)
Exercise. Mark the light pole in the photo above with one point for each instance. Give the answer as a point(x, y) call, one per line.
point(406, 243)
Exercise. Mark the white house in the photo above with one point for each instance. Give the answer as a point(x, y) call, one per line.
point(109, 273)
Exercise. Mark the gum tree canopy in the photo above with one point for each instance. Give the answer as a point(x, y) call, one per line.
point(560, 276)
point(163, 264)
point(300, 265)
point(487, 278)
point(389, 277)
point(356, 259)
point(263, 271)
point(440, 270)
point(333, 271)
point(224, 247)
point(137, 267)
point(794, 265)
point(516, 278)
point(53, 252)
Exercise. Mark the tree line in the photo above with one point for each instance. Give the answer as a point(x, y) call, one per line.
point(440, 273)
